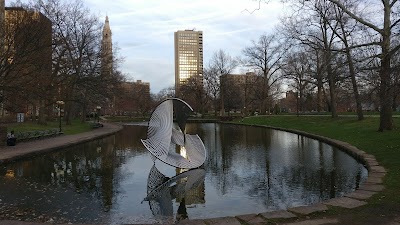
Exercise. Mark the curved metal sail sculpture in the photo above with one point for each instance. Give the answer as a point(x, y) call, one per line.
point(163, 136)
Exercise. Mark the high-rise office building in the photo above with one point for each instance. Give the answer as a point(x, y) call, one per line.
point(2, 14)
point(188, 57)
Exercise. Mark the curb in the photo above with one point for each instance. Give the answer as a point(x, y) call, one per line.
point(372, 186)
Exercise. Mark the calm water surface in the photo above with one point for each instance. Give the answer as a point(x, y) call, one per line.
point(248, 170)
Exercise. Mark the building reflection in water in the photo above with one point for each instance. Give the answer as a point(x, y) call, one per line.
point(105, 180)
point(185, 188)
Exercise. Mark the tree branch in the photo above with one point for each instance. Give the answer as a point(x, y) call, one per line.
point(352, 15)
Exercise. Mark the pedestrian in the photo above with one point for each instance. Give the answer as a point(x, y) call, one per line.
point(11, 139)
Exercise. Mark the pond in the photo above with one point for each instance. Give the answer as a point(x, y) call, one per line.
point(248, 170)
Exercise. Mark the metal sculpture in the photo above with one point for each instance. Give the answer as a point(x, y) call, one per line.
point(161, 191)
point(163, 137)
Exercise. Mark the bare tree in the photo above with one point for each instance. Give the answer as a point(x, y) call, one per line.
point(265, 56)
point(164, 93)
point(25, 61)
point(384, 30)
point(231, 92)
point(192, 91)
point(212, 85)
point(344, 34)
point(221, 63)
point(77, 56)
point(298, 70)
point(310, 26)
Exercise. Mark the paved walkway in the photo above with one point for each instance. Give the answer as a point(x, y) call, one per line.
point(292, 216)
point(31, 148)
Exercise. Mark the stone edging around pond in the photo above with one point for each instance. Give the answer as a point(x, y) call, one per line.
point(373, 185)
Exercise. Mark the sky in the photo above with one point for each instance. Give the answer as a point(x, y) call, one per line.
point(143, 31)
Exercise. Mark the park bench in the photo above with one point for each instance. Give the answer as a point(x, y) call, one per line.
point(97, 125)
point(36, 134)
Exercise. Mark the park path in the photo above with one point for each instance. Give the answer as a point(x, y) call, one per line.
point(32, 148)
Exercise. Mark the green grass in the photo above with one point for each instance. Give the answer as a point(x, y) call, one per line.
point(385, 146)
point(76, 127)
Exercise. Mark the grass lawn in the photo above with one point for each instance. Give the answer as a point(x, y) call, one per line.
point(385, 146)
point(76, 127)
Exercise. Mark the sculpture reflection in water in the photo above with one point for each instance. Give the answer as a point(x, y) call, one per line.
point(170, 144)
point(161, 191)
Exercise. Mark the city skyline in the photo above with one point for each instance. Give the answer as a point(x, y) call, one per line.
point(143, 30)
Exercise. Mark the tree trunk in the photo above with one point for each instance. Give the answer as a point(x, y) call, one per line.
point(394, 102)
point(215, 103)
point(386, 120)
point(221, 94)
point(83, 116)
point(42, 116)
point(328, 102)
point(332, 84)
point(360, 114)
point(67, 114)
point(319, 93)
point(331, 77)
point(263, 107)
point(33, 113)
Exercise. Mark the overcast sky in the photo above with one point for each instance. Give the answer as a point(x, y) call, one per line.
point(143, 30)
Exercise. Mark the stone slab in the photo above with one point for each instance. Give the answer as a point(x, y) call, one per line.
point(374, 174)
point(353, 150)
point(315, 222)
point(223, 221)
point(344, 202)
point(378, 169)
point(251, 219)
point(360, 194)
point(372, 187)
point(305, 210)
point(247, 217)
point(191, 222)
point(281, 214)
point(368, 156)
point(374, 180)
point(371, 162)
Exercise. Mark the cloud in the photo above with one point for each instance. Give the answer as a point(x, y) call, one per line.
point(159, 72)
point(144, 30)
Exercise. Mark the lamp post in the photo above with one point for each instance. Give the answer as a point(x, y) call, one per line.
point(98, 113)
point(59, 103)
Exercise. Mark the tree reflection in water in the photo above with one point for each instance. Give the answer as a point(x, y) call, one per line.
point(248, 170)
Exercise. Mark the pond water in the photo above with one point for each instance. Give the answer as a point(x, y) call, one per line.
point(248, 170)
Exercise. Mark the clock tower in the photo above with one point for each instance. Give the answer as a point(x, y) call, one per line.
point(106, 49)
